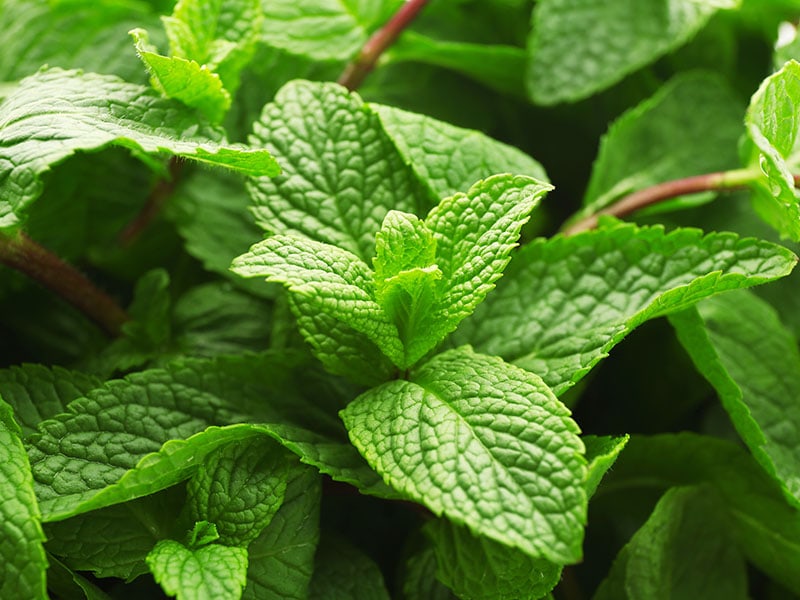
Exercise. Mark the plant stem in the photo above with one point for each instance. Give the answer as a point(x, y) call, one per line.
point(720, 181)
point(153, 205)
point(360, 67)
point(21, 253)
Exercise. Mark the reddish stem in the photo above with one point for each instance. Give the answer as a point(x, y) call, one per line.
point(20, 252)
point(360, 67)
point(153, 205)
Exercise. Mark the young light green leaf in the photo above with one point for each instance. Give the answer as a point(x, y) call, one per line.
point(323, 30)
point(239, 488)
point(560, 41)
point(211, 572)
point(451, 159)
point(186, 80)
point(772, 125)
point(479, 568)
point(55, 113)
point(23, 559)
point(282, 557)
point(738, 343)
point(202, 534)
point(765, 526)
point(342, 571)
point(444, 439)
point(341, 172)
point(565, 302)
point(601, 454)
point(659, 140)
point(326, 279)
point(684, 550)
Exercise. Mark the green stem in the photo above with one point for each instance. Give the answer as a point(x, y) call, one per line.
point(21, 253)
point(720, 181)
point(360, 67)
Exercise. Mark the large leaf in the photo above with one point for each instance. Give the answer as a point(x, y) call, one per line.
point(565, 302)
point(343, 571)
point(739, 344)
point(579, 47)
point(341, 172)
point(466, 426)
point(55, 113)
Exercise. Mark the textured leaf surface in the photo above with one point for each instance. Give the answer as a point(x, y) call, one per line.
point(343, 571)
point(212, 571)
point(451, 159)
point(659, 140)
point(239, 488)
point(478, 568)
point(323, 29)
point(55, 113)
point(772, 120)
point(579, 47)
point(738, 343)
point(765, 526)
point(484, 443)
point(23, 560)
point(565, 302)
point(282, 557)
point(684, 550)
point(341, 172)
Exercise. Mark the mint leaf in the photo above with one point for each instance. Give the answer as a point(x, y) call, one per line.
point(23, 558)
point(239, 488)
point(481, 568)
point(66, 583)
point(565, 302)
point(212, 571)
point(325, 279)
point(341, 172)
point(659, 140)
point(37, 393)
point(186, 80)
point(772, 126)
point(601, 454)
point(282, 557)
point(739, 344)
point(343, 571)
point(684, 550)
point(420, 581)
point(630, 39)
point(451, 159)
point(202, 534)
point(89, 117)
point(323, 29)
point(454, 450)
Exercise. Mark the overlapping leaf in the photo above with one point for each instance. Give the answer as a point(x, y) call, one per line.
point(343, 571)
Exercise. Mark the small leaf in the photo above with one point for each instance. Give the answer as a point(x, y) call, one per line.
point(466, 426)
point(601, 453)
point(202, 534)
point(210, 572)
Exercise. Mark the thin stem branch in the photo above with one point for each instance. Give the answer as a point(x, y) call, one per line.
point(21, 253)
point(360, 67)
point(719, 181)
point(153, 205)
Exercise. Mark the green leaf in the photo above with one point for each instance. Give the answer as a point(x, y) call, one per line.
point(738, 343)
point(420, 581)
point(37, 393)
point(601, 454)
point(451, 159)
point(23, 559)
point(659, 140)
point(202, 534)
point(566, 32)
point(343, 571)
point(209, 573)
point(93, 111)
point(68, 584)
point(478, 568)
point(323, 29)
point(766, 527)
point(341, 172)
point(499, 67)
point(684, 550)
point(186, 80)
point(565, 302)
point(772, 124)
point(282, 557)
point(466, 426)
point(325, 279)
point(239, 488)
